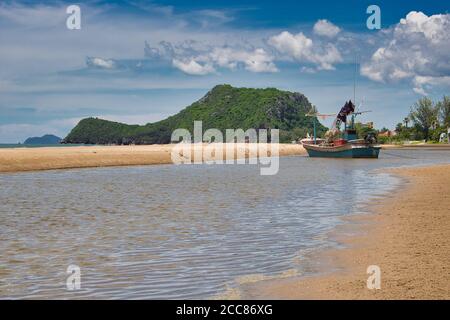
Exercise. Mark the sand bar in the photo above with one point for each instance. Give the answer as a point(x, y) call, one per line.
point(47, 158)
point(27, 159)
point(407, 236)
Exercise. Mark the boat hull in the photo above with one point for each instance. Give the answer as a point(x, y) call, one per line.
point(345, 151)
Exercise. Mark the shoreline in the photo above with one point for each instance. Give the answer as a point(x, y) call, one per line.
point(407, 236)
point(22, 159)
point(51, 158)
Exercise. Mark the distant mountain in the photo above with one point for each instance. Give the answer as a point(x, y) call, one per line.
point(222, 107)
point(45, 139)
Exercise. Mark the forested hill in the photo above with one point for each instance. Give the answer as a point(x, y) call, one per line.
point(222, 107)
point(45, 139)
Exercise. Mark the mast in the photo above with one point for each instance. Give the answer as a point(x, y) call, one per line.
point(354, 80)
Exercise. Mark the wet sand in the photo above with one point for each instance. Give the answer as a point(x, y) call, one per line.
point(28, 159)
point(407, 236)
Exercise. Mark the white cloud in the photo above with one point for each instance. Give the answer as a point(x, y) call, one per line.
point(207, 17)
point(422, 84)
point(36, 37)
point(298, 46)
point(417, 49)
point(196, 58)
point(325, 28)
point(308, 70)
point(36, 16)
point(257, 60)
point(304, 49)
point(193, 67)
point(101, 63)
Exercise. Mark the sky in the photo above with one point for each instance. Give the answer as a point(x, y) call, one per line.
point(141, 61)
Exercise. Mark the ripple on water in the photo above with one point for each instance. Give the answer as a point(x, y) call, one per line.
point(177, 231)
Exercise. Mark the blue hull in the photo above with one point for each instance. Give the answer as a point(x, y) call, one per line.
point(360, 152)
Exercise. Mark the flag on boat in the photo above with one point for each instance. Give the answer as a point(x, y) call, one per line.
point(348, 108)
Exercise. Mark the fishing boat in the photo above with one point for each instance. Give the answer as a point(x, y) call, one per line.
point(346, 144)
point(310, 140)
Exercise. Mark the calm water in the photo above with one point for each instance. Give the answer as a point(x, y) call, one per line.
point(177, 231)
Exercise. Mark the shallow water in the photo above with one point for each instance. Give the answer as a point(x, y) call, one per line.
point(169, 231)
point(54, 145)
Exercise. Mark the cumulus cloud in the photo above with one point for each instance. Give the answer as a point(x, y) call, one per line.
point(303, 49)
point(196, 58)
point(101, 63)
point(193, 67)
point(417, 50)
point(422, 84)
point(326, 28)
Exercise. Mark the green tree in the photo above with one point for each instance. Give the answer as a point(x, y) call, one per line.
point(444, 111)
point(424, 115)
point(363, 130)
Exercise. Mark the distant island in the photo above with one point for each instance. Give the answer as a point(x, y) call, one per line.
point(45, 139)
point(222, 107)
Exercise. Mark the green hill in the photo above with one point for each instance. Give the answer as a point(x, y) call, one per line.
point(45, 139)
point(223, 107)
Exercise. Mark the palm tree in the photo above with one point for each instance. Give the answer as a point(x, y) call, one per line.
point(406, 121)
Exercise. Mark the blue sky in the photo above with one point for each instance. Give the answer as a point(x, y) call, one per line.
point(141, 61)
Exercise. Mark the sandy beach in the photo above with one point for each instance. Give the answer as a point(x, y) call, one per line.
point(28, 159)
point(407, 236)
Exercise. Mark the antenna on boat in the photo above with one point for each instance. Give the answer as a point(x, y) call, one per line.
point(354, 79)
point(360, 105)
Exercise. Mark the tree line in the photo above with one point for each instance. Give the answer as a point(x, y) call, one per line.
point(426, 120)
